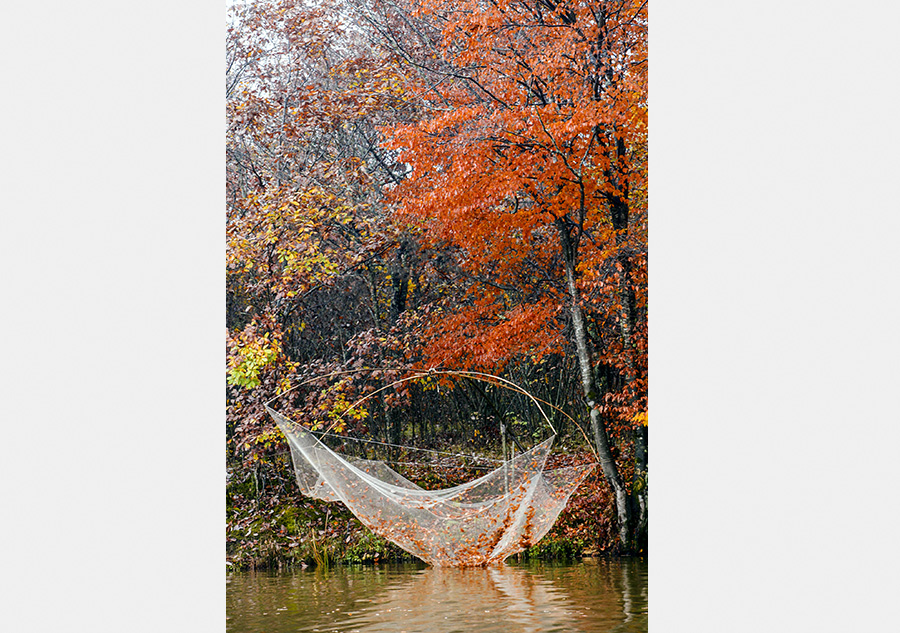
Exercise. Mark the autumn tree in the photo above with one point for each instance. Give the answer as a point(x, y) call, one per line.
point(457, 185)
point(529, 173)
point(310, 248)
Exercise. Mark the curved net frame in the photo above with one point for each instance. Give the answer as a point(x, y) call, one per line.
point(478, 523)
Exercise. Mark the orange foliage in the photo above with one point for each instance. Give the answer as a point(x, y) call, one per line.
point(537, 125)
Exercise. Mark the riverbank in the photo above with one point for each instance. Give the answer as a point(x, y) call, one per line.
point(270, 526)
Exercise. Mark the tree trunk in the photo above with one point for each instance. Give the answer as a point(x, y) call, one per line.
point(639, 488)
point(589, 385)
point(399, 281)
point(619, 214)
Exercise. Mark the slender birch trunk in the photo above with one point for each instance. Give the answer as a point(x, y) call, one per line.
point(589, 385)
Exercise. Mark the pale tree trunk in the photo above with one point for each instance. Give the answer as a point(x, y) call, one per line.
point(589, 385)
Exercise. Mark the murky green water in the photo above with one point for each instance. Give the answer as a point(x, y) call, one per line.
point(590, 596)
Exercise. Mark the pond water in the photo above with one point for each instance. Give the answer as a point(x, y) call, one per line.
point(594, 595)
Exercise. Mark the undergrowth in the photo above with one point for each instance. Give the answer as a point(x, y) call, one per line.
point(271, 525)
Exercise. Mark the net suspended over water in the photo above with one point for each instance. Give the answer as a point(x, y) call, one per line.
point(478, 523)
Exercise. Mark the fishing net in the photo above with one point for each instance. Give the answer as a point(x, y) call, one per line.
point(478, 523)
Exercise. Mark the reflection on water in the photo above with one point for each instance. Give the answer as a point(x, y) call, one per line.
point(589, 596)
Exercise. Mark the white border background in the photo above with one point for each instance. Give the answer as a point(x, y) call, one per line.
point(774, 317)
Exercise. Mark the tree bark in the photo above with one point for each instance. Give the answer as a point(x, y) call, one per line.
point(619, 214)
point(399, 281)
point(639, 493)
point(589, 385)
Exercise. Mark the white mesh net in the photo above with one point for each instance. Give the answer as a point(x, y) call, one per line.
point(478, 523)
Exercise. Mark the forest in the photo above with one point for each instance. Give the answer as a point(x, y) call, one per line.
point(449, 188)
